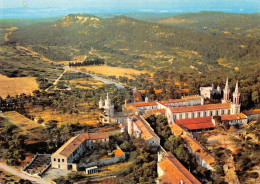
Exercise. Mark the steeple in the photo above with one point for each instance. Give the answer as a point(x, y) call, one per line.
point(236, 95)
point(226, 93)
point(107, 102)
point(101, 103)
point(236, 90)
point(226, 86)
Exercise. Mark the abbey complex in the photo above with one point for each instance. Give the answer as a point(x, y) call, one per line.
point(186, 118)
point(137, 92)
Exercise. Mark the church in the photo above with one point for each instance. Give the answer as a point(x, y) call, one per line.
point(205, 110)
point(191, 111)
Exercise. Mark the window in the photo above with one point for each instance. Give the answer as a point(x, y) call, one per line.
point(222, 112)
point(198, 114)
point(228, 111)
point(192, 115)
point(210, 113)
point(186, 115)
point(205, 114)
point(54, 159)
point(216, 112)
point(58, 160)
point(180, 116)
point(174, 116)
point(62, 160)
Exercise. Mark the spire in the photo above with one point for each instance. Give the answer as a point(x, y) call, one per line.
point(236, 95)
point(226, 86)
point(226, 93)
point(236, 90)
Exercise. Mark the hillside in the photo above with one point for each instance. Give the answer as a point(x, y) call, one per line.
point(132, 43)
point(218, 23)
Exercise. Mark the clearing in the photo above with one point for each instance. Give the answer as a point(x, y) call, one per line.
point(89, 117)
point(18, 85)
point(109, 70)
point(173, 20)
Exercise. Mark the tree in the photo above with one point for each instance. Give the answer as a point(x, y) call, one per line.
point(255, 97)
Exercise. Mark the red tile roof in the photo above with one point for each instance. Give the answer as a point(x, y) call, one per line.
point(184, 99)
point(228, 117)
point(251, 112)
point(193, 144)
point(73, 143)
point(142, 104)
point(174, 171)
point(118, 152)
point(143, 125)
point(156, 111)
point(196, 123)
point(200, 107)
point(99, 135)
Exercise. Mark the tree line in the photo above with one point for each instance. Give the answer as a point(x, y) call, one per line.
point(97, 61)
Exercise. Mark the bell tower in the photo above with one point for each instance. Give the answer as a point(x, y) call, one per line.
point(235, 107)
point(226, 93)
point(236, 95)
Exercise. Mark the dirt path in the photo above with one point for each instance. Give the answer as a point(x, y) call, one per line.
point(57, 80)
point(21, 174)
point(9, 33)
point(231, 176)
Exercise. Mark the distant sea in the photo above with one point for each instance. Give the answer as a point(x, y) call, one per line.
point(27, 12)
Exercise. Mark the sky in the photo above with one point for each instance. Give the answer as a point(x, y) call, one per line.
point(127, 6)
point(132, 4)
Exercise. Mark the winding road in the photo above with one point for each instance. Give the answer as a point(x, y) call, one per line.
point(22, 175)
point(119, 86)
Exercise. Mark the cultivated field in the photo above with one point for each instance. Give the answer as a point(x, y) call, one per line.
point(108, 70)
point(19, 85)
point(25, 126)
point(86, 84)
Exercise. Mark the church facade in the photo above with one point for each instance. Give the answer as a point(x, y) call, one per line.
point(208, 92)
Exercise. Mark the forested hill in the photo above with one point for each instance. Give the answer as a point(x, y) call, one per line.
point(133, 38)
point(229, 24)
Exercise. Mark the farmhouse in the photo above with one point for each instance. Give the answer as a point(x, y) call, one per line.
point(65, 156)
